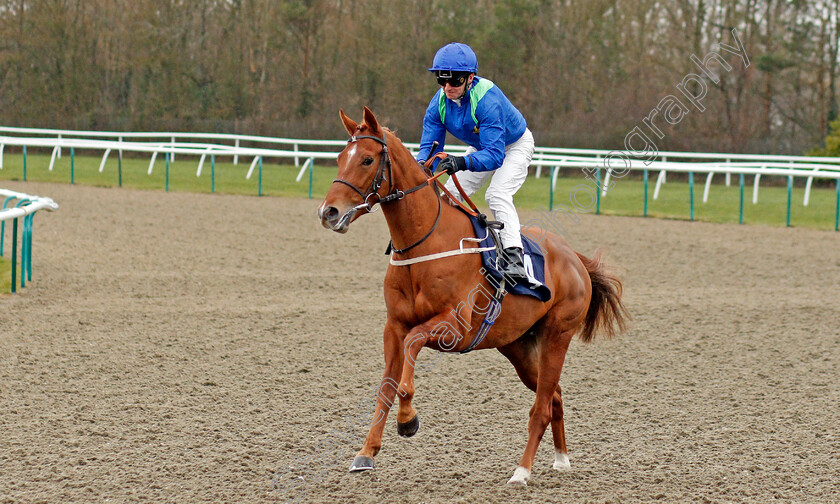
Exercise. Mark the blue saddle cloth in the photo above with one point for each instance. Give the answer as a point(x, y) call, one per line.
point(532, 258)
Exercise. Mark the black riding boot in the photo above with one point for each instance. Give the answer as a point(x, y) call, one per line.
point(512, 267)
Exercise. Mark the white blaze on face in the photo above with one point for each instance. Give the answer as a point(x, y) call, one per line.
point(352, 151)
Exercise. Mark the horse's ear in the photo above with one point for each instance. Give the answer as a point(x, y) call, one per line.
point(349, 124)
point(370, 120)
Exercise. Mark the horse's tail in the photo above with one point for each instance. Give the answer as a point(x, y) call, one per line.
point(606, 312)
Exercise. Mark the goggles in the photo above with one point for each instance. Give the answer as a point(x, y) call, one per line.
point(454, 79)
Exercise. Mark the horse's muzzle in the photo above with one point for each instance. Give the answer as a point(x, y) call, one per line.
point(333, 219)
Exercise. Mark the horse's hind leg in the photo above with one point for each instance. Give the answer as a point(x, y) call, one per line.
point(539, 361)
point(558, 431)
point(523, 354)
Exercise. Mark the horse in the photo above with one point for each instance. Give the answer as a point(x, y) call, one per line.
point(425, 293)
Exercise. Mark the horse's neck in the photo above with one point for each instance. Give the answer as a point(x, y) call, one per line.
point(410, 218)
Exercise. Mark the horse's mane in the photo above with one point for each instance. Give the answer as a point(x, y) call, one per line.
point(362, 127)
point(393, 133)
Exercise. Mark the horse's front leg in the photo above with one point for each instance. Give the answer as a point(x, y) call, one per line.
point(384, 398)
point(408, 423)
point(400, 357)
point(445, 331)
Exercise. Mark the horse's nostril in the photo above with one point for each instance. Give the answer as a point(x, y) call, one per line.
point(331, 213)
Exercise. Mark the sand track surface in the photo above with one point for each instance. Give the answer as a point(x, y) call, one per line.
point(180, 347)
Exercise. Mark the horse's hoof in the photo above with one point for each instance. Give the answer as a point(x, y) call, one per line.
point(561, 461)
point(520, 477)
point(409, 428)
point(361, 463)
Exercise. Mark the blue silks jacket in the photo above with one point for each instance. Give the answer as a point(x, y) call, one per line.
point(486, 120)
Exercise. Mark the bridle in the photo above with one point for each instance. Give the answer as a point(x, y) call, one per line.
point(376, 183)
point(393, 194)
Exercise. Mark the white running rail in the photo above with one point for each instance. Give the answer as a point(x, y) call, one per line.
point(229, 145)
point(36, 203)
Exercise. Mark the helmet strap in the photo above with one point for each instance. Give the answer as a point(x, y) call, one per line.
point(467, 86)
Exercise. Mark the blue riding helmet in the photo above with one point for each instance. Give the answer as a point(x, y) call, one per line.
point(455, 57)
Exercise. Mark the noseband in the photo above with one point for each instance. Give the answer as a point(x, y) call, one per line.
point(394, 194)
point(376, 183)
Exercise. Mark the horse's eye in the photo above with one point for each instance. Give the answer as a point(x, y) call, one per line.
point(367, 161)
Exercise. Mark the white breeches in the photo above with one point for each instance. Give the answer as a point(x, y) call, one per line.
point(504, 182)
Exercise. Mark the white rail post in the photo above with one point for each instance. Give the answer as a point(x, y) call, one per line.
point(201, 162)
point(297, 159)
point(808, 189)
point(104, 158)
point(303, 169)
point(251, 169)
point(660, 179)
point(606, 182)
point(755, 186)
point(236, 156)
point(152, 162)
point(52, 158)
point(708, 185)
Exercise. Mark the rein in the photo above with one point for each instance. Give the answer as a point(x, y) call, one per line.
point(471, 209)
point(395, 194)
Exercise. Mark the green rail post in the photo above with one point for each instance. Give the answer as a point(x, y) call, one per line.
point(14, 255)
point(167, 171)
point(551, 190)
point(691, 195)
point(259, 179)
point(645, 176)
point(837, 208)
point(741, 209)
point(28, 227)
point(212, 173)
point(311, 175)
point(598, 191)
point(3, 224)
point(23, 253)
point(119, 169)
point(24, 163)
point(72, 165)
point(790, 191)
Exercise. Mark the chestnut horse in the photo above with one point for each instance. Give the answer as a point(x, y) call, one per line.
point(431, 303)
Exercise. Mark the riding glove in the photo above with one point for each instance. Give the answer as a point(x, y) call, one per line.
point(452, 164)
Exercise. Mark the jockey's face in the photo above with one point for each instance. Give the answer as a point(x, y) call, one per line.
point(454, 92)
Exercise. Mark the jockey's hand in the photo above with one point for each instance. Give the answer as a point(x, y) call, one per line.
point(452, 164)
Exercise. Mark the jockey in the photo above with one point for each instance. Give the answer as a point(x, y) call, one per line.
point(500, 145)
